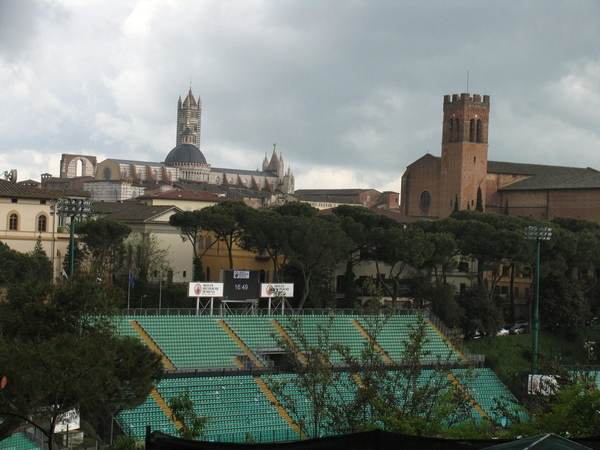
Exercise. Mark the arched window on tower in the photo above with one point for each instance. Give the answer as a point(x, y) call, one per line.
point(455, 132)
point(451, 130)
point(472, 131)
point(479, 131)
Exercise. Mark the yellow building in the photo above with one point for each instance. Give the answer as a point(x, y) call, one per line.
point(26, 213)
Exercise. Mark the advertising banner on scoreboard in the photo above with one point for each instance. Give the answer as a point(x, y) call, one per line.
point(270, 290)
point(197, 289)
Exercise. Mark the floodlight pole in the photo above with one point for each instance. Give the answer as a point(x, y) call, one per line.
point(539, 234)
point(72, 208)
point(72, 248)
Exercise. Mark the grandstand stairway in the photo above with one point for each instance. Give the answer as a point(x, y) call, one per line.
point(150, 342)
point(287, 337)
point(471, 400)
point(383, 353)
point(165, 408)
point(445, 338)
point(241, 344)
point(263, 387)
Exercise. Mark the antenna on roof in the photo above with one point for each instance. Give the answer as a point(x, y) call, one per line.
point(10, 175)
point(467, 81)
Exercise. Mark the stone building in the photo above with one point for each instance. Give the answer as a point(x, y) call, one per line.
point(119, 180)
point(330, 198)
point(433, 186)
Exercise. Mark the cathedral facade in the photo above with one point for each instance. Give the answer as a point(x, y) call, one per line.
point(185, 164)
point(435, 186)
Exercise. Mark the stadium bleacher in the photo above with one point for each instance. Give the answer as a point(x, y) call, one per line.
point(17, 441)
point(207, 352)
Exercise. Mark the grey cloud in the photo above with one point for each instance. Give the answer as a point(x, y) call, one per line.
point(355, 85)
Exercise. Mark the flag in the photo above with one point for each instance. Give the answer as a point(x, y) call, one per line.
point(131, 283)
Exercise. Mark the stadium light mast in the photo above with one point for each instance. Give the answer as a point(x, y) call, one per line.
point(73, 208)
point(538, 234)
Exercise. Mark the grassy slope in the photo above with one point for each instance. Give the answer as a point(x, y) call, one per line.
point(510, 356)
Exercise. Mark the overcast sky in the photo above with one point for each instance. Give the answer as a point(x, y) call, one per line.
point(351, 91)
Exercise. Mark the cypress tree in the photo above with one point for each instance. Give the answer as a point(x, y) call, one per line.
point(479, 205)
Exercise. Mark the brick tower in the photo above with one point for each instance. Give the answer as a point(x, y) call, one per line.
point(464, 151)
point(189, 114)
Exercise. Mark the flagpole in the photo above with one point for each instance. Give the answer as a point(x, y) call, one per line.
point(128, 291)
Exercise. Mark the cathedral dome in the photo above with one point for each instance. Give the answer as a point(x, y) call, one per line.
point(185, 154)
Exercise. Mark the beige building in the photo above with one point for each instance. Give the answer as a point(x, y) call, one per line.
point(27, 215)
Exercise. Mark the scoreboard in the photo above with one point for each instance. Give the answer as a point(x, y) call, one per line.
point(241, 284)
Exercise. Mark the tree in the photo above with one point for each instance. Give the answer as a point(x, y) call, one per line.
point(21, 268)
point(79, 258)
point(317, 245)
point(314, 378)
point(183, 411)
point(350, 288)
point(563, 308)
point(398, 248)
point(358, 223)
point(226, 221)
point(269, 232)
point(40, 264)
point(191, 228)
point(60, 352)
point(479, 313)
point(414, 401)
point(444, 257)
point(104, 240)
point(123, 443)
point(147, 256)
point(479, 204)
point(496, 241)
point(297, 209)
point(567, 403)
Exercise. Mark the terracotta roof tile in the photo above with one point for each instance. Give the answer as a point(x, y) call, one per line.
point(15, 190)
point(138, 213)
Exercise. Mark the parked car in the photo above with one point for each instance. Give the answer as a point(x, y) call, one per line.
point(518, 329)
point(475, 335)
point(521, 322)
point(503, 331)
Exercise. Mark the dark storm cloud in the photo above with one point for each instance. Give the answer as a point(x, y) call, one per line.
point(351, 91)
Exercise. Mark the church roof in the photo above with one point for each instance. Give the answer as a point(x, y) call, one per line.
point(184, 194)
point(185, 154)
point(189, 100)
point(253, 173)
point(198, 186)
point(541, 176)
